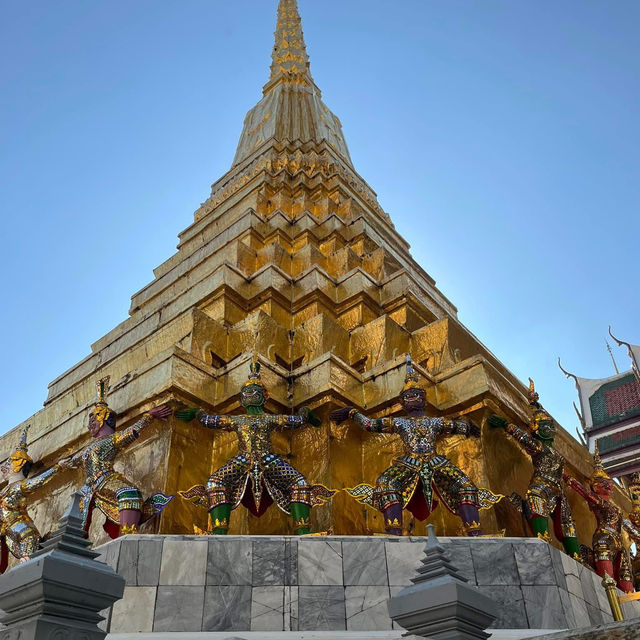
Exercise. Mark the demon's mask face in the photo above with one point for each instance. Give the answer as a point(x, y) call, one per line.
point(546, 430)
point(253, 395)
point(94, 426)
point(603, 487)
point(413, 399)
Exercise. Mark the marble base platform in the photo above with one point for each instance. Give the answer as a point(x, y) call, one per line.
point(499, 634)
point(194, 584)
point(628, 630)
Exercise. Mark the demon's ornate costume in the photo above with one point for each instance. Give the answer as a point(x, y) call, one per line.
point(19, 534)
point(634, 517)
point(608, 549)
point(545, 497)
point(415, 478)
point(634, 492)
point(256, 476)
point(111, 492)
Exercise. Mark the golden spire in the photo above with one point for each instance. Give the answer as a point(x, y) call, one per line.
point(291, 109)
point(290, 58)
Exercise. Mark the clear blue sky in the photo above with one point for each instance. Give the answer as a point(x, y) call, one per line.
point(501, 136)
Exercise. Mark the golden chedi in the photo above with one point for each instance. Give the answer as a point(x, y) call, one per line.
point(292, 262)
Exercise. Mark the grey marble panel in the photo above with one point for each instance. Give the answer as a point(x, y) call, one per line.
point(565, 599)
point(603, 602)
point(366, 608)
point(267, 608)
point(134, 613)
point(588, 586)
point(109, 554)
point(321, 608)
point(558, 568)
point(364, 563)
point(580, 612)
point(149, 559)
point(570, 566)
point(179, 608)
point(544, 608)
point(534, 564)
point(403, 561)
point(574, 586)
point(227, 608)
point(291, 562)
point(631, 610)
point(128, 560)
point(229, 561)
point(495, 563)
point(460, 555)
point(268, 562)
point(512, 614)
point(319, 562)
point(607, 617)
point(292, 594)
point(184, 562)
point(595, 615)
point(597, 586)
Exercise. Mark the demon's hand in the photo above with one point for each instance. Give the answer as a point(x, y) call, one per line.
point(496, 422)
point(186, 415)
point(340, 415)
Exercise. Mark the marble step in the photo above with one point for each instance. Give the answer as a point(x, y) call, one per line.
point(497, 634)
point(627, 630)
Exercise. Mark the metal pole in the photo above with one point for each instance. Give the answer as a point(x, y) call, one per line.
point(609, 585)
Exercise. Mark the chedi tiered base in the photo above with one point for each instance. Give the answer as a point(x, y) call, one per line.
point(283, 583)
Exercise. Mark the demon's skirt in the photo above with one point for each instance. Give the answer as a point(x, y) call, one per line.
point(104, 496)
point(257, 483)
point(414, 480)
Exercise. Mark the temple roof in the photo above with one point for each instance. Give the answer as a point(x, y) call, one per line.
point(614, 400)
point(634, 354)
point(608, 401)
point(291, 109)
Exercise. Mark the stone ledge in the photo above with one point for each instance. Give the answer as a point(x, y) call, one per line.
point(628, 630)
point(500, 634)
